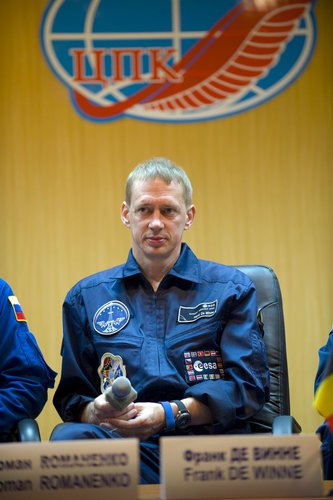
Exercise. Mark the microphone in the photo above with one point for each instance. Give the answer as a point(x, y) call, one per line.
point(120, 394)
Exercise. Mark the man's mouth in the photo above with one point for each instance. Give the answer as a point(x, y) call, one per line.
point(156, 241)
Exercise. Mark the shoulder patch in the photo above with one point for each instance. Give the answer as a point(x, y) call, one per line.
point(111, 318)
point(19, 314)
point(110, 368)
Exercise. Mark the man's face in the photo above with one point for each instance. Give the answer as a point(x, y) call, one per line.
point(157, 217)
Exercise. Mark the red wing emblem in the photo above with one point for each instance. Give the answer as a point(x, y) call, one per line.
point(232, 62)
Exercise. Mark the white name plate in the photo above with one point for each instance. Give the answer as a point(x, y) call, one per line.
point(244, 466)
point(69, 469)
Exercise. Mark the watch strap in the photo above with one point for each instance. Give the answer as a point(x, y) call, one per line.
point(170, 423)
point(180, 404)
point(183, 416)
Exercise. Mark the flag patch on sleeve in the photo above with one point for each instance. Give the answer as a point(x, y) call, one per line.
point(19, 314)
point(203, 365)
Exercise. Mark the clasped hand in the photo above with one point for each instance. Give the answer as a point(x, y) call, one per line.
point(140, 420)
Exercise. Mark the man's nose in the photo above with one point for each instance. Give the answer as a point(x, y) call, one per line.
point(156, 221)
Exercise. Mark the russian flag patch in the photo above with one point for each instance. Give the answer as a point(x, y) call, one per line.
point(19, 314)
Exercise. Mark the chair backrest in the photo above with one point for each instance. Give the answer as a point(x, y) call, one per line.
point(270, 305)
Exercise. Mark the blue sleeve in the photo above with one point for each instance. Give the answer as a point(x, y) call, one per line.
point(324, 431)
point(245, 388)
point(324, 354)
point(24, 374)
point(79, 360)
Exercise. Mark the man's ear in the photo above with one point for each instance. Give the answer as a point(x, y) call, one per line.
point(190, 214)
point(124, 214)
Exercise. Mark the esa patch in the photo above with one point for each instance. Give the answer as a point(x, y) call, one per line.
point(203, 365)
point(19, 314)
point(191, 314)
point(111, 318)
point(111, 367)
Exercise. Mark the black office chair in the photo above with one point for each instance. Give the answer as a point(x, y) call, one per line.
point(275, 415)
point(26, 430)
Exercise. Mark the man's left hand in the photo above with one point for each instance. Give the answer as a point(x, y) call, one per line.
point(150, 419)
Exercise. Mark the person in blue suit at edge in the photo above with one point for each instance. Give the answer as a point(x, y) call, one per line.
point(183, 330)
point(324, 431)
point(24, 375)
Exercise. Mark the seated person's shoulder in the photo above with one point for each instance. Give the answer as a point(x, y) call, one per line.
point(215, 271)
point(94, 280)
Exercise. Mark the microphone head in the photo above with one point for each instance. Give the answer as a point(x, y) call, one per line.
point(121, 387)
point(120, 394)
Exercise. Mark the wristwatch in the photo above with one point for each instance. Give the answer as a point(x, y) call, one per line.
point(183, 417)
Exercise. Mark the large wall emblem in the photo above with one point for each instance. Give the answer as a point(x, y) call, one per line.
point(176, 60)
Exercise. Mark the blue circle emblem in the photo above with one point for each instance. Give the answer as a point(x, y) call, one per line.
point(176, 60)
point(111, 318)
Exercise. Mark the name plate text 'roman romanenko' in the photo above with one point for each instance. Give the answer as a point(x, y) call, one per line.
point(63, 469)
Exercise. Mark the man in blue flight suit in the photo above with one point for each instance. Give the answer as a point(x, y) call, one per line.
point(24, 374)
point(183, 330)
point(324, 431)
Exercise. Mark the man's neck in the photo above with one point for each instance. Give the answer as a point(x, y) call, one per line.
point(155, 274)
point(155, 270)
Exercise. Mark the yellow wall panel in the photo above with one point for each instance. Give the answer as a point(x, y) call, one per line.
point(262, 185)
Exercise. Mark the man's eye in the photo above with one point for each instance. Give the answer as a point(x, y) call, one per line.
point(169, 211)
point(142, 210)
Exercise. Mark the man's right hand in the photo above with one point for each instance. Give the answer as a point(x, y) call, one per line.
point(100, 411)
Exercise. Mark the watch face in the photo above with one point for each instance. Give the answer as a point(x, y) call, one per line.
point(183, 420)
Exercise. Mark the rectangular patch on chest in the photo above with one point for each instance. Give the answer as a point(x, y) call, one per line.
point(203, 310)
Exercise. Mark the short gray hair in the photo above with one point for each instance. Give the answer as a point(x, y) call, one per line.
point(164, 169)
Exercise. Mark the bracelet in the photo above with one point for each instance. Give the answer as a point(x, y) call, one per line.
point(169, 418)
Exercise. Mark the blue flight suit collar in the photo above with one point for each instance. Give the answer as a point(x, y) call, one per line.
point(187, 266)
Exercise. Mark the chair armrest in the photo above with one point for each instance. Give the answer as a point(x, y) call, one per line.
point(285, 424)
point(28, 430)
